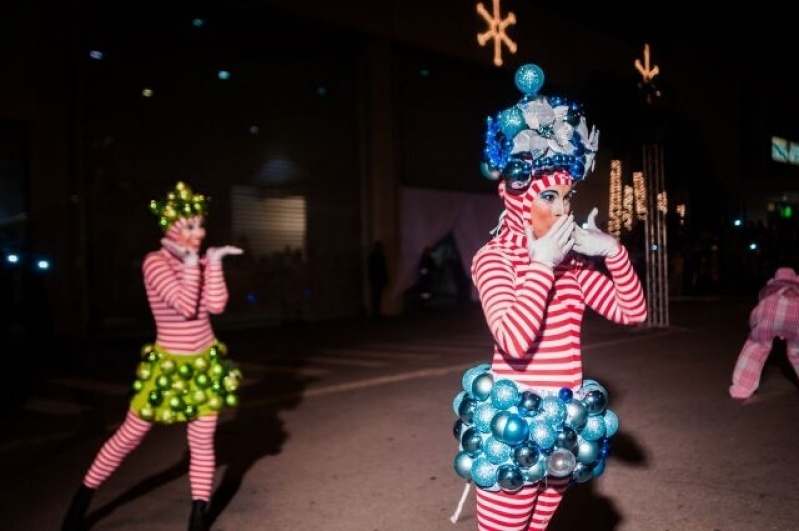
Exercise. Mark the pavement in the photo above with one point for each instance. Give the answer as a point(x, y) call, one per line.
point(341, 428)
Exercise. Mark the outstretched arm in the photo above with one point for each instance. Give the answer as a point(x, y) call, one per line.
point(619, 298)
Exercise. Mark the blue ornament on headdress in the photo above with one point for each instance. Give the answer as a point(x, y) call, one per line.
point(529, 79)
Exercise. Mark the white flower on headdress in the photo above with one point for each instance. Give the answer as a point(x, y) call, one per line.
point(548, 132)
point(590, 142)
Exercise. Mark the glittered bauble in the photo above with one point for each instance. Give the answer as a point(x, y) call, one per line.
point(543, 434)
point(484, 472)
point(511, 121)
point(483, 415)
point(529, 79)
point(471, 374)
point(463, 464)
point(472, 441)
point(553, 410)
point(504, 394)
point(594, 428)
point(510, 478)
point(561, 463)
point(611, 423)
point(496, 451)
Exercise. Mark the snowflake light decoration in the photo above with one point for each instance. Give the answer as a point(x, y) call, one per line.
point(496, 30)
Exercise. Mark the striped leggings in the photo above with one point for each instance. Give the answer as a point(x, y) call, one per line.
point(202, 460)
point(529, 509)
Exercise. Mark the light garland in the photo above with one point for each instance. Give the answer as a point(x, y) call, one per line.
point(639, 191)
point(615, 206)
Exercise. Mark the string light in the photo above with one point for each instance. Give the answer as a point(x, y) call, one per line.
point(663, 202)
point(496, 30)
point(627, 208)
point(615, 206)
point(680, 209)
point(639, 191)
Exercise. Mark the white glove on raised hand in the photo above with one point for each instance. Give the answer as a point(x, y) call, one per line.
point(189, 257)
point(216, 254)
point(592, 241)
point(553, 246)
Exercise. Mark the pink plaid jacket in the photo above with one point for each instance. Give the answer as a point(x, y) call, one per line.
point(777, 313)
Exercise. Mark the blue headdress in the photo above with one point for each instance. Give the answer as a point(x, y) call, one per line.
point(538, 135)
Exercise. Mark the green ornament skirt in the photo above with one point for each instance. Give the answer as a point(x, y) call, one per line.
point(173, 388)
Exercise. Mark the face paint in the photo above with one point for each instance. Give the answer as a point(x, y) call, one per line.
point(191, 233)
point(550, 204)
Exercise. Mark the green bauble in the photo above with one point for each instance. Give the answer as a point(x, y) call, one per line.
point(176, 403)
point(185, 371)
point(168, 366)
point(167, 416)
point(143, 371)
point(202, 380)
point(180, 386)
point(201, 364)
point(147, 413)
point(138, 385)
point(155, 397)
point(217, 370)
point(151, 357)
point(191, 412)
point(215, 403)
point(230, 382)
point(163, 382)
point(232, 400)
point(213, 353)
point(199, 397)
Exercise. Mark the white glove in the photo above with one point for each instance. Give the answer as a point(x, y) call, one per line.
point(553, 246)
point(189, 257)
point(216, 254)
point(592, 241)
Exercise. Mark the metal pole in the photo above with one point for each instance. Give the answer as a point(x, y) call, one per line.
point(655, 240)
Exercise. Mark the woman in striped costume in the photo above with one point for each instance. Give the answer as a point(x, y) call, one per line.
point(533, 277)
point(185, 375)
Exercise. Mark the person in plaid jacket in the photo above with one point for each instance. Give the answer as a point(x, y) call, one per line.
point(775, 316)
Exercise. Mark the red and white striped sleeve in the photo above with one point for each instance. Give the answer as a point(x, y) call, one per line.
point(514, 310)
point(215, 293)
point(178, 288)
point(620, 298)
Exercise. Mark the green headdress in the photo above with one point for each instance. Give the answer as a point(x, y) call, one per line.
point(180, 202)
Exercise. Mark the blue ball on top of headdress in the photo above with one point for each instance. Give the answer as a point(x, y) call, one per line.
point(538, 135)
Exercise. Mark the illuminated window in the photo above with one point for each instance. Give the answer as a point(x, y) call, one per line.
point(267, 225)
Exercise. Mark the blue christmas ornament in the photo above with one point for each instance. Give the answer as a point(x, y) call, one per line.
point(566, 439)
point(466, 410)
point(529, 404)
point(483, 415)
point(510, 428)
point(484, 472)
point(510, 478)
point(543, 434)
point(553, 410)
point(595, 401)
point(463, 463)
point(456, 402)
point(511, 121)
point(565, 394)
point(472, 442)
point(611, 423)
point(582, 472)
point(587, 452)
point(482, 386)
point(457, 429)
point(594, 428)
point(537, 471)
point(504, 394)
point(561, 463)
point(496, 451)
point(576, 415)
point(599, 467)
point(526, 454)
point(529, 79)
point(471, 374)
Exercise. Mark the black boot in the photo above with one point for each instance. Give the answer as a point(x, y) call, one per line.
point(199, 511)
point(74, 520)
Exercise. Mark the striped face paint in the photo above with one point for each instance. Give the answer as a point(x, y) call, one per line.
point(188, 232)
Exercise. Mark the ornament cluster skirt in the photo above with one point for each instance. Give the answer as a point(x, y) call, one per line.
point(509, 437)
point(180, 387)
